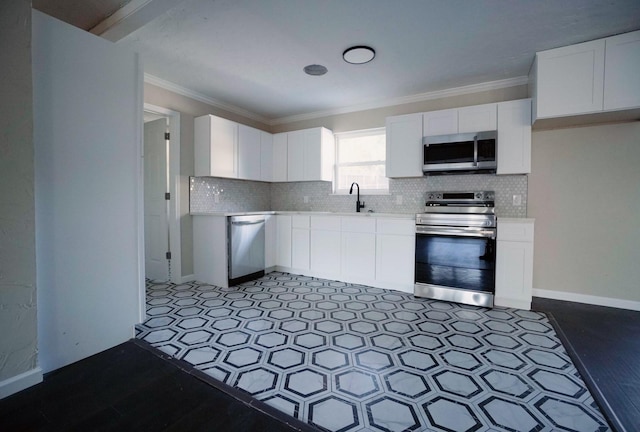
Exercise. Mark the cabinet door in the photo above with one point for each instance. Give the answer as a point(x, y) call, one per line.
point(249, 151)
point(300, 248)
point(477, 118)
point(202, 146)
point(514, 137)
point(404, 146)
point(266, 156)
point(359, 255)
point(312, 158)
point(443, 122)
point(325, 251)
point(224, 148)
point(514, 274)
point(570, 80)
point(296, 142)
point(395, 257)
point(283, 248)
point(270, 240)
point(280, 158)
point(622, 66)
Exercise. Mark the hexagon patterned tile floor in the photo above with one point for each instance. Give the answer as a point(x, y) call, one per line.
point(346, 357)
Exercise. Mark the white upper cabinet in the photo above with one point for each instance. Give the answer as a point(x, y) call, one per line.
point(443, 122)
point(404, 146)
point(405, 133)
point(594, 77)
point(223, 148)
point(310, 155)
point(570, 79)
point(280, 155)
point(296, 143)
point(249, 153)
point(622, 71)
point(215, 147)
point(514, 137)
point(477, 118)
point(266, 156)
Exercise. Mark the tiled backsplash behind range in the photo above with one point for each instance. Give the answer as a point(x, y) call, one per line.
point(405, 195)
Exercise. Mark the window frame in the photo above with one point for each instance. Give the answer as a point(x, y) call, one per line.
point(338, 165)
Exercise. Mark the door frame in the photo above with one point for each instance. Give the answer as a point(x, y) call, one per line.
point(174, 203)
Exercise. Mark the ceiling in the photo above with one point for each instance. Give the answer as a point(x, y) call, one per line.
point(248, 55)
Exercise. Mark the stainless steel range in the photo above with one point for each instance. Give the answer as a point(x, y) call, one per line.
point(456, 248)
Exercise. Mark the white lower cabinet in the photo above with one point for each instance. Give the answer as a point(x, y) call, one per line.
point(325, 244)
point(300, 242)
point(514, 263)
point(376, 251)
point(358, 250)
point(283, 241)
point(395, 253)
point(270, 233)
point(210, 250)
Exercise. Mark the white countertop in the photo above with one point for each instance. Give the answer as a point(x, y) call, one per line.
point(309, 213)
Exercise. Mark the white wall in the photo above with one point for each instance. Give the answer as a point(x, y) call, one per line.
point(88, 188)
point(584, 193)
point(18, 351)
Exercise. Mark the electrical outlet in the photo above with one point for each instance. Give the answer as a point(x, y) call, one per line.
point(398, 199)
point(517, 200)
point(306, 199)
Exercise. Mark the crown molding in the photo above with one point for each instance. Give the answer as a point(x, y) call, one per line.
point(175, 88)
point(439, 94)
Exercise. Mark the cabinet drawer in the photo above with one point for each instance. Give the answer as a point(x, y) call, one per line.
point(300, 221)
point(359, 224)
point(331, 223)
point(396, 226)
point(515, 231)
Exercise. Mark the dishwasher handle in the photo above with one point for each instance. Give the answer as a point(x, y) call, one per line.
point(247, 222)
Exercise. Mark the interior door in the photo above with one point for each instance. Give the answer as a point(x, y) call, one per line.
point(87, 95)
point(156, 221)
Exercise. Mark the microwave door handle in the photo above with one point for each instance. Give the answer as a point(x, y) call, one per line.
point(475, 150)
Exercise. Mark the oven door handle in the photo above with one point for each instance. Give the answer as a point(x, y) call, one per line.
point(462, 232)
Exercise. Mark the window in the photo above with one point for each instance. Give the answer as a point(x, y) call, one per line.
point(360, 157)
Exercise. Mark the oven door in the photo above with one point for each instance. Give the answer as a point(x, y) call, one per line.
point(456, 264)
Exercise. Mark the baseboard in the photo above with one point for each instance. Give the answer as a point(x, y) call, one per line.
point(20, 382)
point(188, 278)
point(512, 303)
point(588, 299)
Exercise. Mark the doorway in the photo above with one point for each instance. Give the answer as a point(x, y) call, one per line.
point(161, 167)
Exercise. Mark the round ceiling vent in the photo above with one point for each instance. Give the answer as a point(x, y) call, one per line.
point(315, 70)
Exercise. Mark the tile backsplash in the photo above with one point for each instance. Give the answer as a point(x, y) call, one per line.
point(405, 195)
point(215, 194)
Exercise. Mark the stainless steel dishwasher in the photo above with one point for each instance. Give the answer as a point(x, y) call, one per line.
point(246, 248)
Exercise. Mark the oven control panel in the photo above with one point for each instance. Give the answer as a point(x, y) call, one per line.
point(461, 196)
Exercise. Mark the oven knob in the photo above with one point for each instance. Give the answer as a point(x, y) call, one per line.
point(478, 195)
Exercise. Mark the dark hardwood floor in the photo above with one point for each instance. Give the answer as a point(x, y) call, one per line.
point(604, 343)
point(134, 387)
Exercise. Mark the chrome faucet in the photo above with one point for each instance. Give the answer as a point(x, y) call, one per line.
point(359, 205)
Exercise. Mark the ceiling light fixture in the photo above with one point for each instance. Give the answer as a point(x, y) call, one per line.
point(358, 54)
point(315, 70)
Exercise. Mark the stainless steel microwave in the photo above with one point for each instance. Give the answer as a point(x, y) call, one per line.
point(460, 153)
